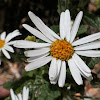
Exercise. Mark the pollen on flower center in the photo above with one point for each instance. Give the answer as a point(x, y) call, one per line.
point(2, 42)
point(61, 49)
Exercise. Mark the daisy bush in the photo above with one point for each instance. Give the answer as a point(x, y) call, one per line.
point(57, 57)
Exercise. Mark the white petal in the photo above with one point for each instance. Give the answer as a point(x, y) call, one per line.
point(67, 25)
point(27, 93)
point(84, 70)
point(75, 72)
point(9, 48)
point(36, 33)
point(54, 81)
point(80, 63)
point(58, 72)
point(88, 77)
point(11, 42)
point(62, 75)
point(87, 39)
point(12, 94)
point(12, 35)
point(89, 53)
point(24, 93)
point(59, 65)
point(49, 30)
point(37, 57)
point(92, 45)
point(53, 69)
point(6, 53)
point(19, 96)
point(62, 27)
point(32, 53)
point(30, 44)
point(16, 97)
point(40, 25)
point(76, 26)
point(3, 35)
point(37, 64)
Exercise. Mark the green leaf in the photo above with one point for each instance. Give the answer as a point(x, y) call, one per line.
point(96, 81)
point(69, 97)
point(55, 28)
point(48, 93)
point(95, 21)
point(29, 73)
point(40, 41)
point(63, 5)
point(82, 30)
point(18, 85)
point(64, 98)
point(7, 85)
point(93, 61)
point(82, 4)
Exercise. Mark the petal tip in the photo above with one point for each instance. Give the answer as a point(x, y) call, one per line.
point(26, 69)
point(67, 10)
point(80, 83)
point(90, 78)
point(16, 30)
point(81, 12)
point(52, 82)
point(11, 89)
point(29, 12)
point(25, 53)
point(51, 78)
point(61, 85)
point(23, 25)
point(14, 45)
point(9, 57)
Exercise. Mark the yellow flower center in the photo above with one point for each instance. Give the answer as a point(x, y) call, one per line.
point(2, 42)
point(61, 49)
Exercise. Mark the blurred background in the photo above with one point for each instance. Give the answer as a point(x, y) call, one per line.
point(14, 13)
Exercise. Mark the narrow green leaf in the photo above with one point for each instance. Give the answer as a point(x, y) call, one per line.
point(95, 21)
point(63, 5)
point(55, 28)
point(82, 30)
point(93, 61)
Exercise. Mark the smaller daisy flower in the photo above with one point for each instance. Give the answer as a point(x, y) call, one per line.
point(20, 96)
point(60, 50)
point(5, 44)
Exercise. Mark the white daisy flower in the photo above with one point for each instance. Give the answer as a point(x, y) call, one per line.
point(60, 49)
point(5, 44)
point(20, 96)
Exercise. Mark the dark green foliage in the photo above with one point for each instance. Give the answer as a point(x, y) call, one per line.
point(55, 28)
point(63, 5)
point(17, 83)
point(40, 87)
point(96, 81)
point(93, 61)
point(93, 21)
point(82, 29)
